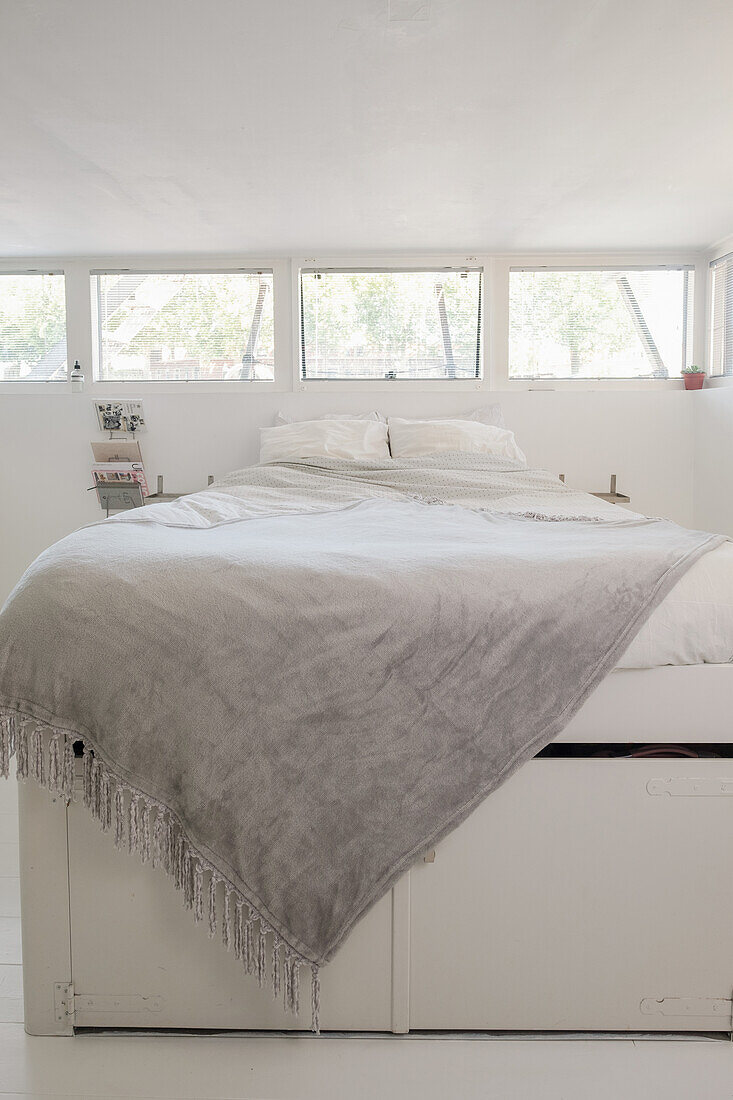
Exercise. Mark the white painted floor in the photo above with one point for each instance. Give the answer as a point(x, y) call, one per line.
point(92, 1067)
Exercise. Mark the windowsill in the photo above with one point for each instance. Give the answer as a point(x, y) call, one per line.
point(587, 385)
point(100, 388)
point(719, 382)
point(126, 390)
point(389, 385)
point(40, 388)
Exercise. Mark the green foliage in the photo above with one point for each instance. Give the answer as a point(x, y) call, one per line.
point(581, 311)
point(202, 317)
point(32, 318)
point(368, 324)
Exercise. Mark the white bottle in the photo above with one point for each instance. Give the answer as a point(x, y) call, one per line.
point(77, 378)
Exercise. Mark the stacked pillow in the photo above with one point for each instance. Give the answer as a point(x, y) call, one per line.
point(414, 438)
point(331, 438)
point(361, 436)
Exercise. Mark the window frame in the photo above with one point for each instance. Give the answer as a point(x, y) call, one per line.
point(217, 266)
point(45, 386)
point(387, 263)
point(592, 262)
point(494, 352)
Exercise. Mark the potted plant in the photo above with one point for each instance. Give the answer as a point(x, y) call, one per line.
point(694, 377)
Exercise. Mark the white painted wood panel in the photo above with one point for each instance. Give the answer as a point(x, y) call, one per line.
point(685, 704)
point(44, 895)
point(132, 937)
point(572, 896)
point(578, 890)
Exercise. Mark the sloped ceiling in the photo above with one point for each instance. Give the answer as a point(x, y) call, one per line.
point(310, 126)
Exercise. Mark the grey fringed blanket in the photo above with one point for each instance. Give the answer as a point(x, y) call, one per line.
point(291, 686)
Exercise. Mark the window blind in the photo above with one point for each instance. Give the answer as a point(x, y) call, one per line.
point(32, 327)
point(184, 326)
point(378, 324)
point(721, 316)
point(599, 322)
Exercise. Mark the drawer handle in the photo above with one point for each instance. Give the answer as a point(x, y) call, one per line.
point(685, 787)
point(688, 1006)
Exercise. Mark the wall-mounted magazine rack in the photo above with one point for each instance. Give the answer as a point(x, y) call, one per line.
point(118, 497)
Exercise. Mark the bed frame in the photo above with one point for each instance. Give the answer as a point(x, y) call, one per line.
point(606, 906)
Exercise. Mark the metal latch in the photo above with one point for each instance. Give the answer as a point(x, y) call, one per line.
point(689, 1006)
point(115, 1002)
point(685, 787)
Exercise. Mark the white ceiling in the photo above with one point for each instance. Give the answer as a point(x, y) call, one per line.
point(305, 126)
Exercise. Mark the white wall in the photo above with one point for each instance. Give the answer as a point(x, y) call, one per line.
point(713, 459)
point(646, 437)
point(713, 444)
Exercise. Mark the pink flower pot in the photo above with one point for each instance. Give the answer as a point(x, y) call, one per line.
point(694, 381)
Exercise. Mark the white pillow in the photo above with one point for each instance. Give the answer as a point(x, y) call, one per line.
point(487, 414)
point(413, 438)
point(286, 418)
point(324, 439)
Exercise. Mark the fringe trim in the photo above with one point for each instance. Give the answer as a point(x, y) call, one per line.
point(550, 517)
point(149, 828)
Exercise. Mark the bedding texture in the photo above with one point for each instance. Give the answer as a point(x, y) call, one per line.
point(290, 686)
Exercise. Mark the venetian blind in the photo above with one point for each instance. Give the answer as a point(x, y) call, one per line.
point(721, 316)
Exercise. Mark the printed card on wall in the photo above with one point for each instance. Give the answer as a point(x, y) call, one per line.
point(120, 416)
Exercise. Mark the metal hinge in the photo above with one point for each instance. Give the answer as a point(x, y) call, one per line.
point(67, 1003)
point(63, 1003)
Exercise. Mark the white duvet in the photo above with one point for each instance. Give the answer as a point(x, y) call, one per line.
point(693, 624)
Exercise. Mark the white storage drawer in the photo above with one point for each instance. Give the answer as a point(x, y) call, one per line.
point(585, 894)
point(588, 894)
point(139, 960)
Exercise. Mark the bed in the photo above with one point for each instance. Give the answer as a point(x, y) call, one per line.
point(584, 893)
